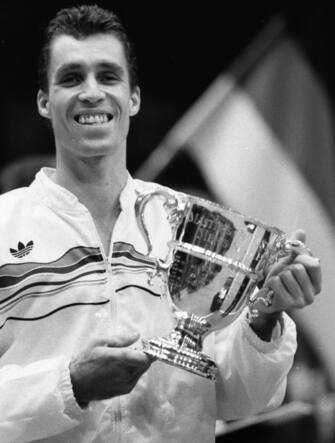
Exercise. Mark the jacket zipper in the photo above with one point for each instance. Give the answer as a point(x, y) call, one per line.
point(117, 413)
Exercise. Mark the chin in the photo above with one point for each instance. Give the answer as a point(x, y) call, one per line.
point(93, 149)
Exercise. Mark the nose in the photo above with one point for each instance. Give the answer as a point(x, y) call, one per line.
point(91, 91)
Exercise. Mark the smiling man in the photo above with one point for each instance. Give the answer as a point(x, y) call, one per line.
point(89, 97)
point(74, 292)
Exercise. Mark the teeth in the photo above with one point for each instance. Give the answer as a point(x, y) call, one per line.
point(92, 119)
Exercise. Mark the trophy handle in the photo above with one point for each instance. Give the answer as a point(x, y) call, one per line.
point(296, 246)
point(174, 215)
point(283, 247)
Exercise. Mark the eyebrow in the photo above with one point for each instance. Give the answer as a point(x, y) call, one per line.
point(74, 66)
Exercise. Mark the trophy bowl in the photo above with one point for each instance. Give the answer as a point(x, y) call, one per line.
point(217, 257)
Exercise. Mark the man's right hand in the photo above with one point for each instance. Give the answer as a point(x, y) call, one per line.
point(107, 368)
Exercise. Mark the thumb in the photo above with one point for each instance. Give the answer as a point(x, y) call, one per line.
point(300, 235)
point(119, 340)
point(297, 244)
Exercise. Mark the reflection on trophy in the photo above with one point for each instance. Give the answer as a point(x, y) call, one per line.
point(216, 259)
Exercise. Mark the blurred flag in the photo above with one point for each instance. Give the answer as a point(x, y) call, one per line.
point(263, 137)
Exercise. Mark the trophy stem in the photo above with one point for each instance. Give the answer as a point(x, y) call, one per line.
point(183, 347)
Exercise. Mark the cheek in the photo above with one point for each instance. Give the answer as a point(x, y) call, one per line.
point(58, 106)
point(58, 116)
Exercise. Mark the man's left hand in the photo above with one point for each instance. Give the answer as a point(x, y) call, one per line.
point(291, 283)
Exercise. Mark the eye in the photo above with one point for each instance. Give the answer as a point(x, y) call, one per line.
point(70, 79)
point(108, 77)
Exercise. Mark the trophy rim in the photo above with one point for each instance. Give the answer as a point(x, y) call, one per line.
point(220, 207)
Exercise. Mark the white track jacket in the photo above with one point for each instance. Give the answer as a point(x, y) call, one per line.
point(58, 291)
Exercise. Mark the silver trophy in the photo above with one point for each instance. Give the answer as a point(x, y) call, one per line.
point(216, 259)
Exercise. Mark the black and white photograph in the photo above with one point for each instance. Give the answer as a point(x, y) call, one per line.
point(167, 200)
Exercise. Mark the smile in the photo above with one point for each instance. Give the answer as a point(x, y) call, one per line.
point(93, 118)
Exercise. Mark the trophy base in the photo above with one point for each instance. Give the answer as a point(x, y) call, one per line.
point(181, 357)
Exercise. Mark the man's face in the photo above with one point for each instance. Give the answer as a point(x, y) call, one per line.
point(89, 100)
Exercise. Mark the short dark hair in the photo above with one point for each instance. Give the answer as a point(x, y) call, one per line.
point(81, 22)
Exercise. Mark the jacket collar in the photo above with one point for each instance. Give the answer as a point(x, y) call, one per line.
point(57, 197)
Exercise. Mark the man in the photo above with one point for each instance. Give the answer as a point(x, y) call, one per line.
point(73, 285)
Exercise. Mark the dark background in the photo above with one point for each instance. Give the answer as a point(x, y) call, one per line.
point(181, 48)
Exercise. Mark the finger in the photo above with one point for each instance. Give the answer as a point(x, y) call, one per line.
point(288, 295)
point(279, 266)
point(282, 299)
point(313, 269)
point(303, 279)
point(133, 358)
point(123, 340)
point(290, 283)
point(298, 284)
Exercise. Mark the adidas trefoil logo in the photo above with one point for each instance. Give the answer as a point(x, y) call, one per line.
point(22, 249)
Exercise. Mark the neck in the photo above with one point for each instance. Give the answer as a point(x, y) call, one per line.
point(97, 182)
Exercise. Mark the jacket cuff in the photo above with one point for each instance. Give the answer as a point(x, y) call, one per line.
point(280, 331)
point(71, 407)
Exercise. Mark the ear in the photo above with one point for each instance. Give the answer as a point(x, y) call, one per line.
point(43, 104)
point(135, 101)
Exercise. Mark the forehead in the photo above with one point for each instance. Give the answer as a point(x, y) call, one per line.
point(89, 51)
